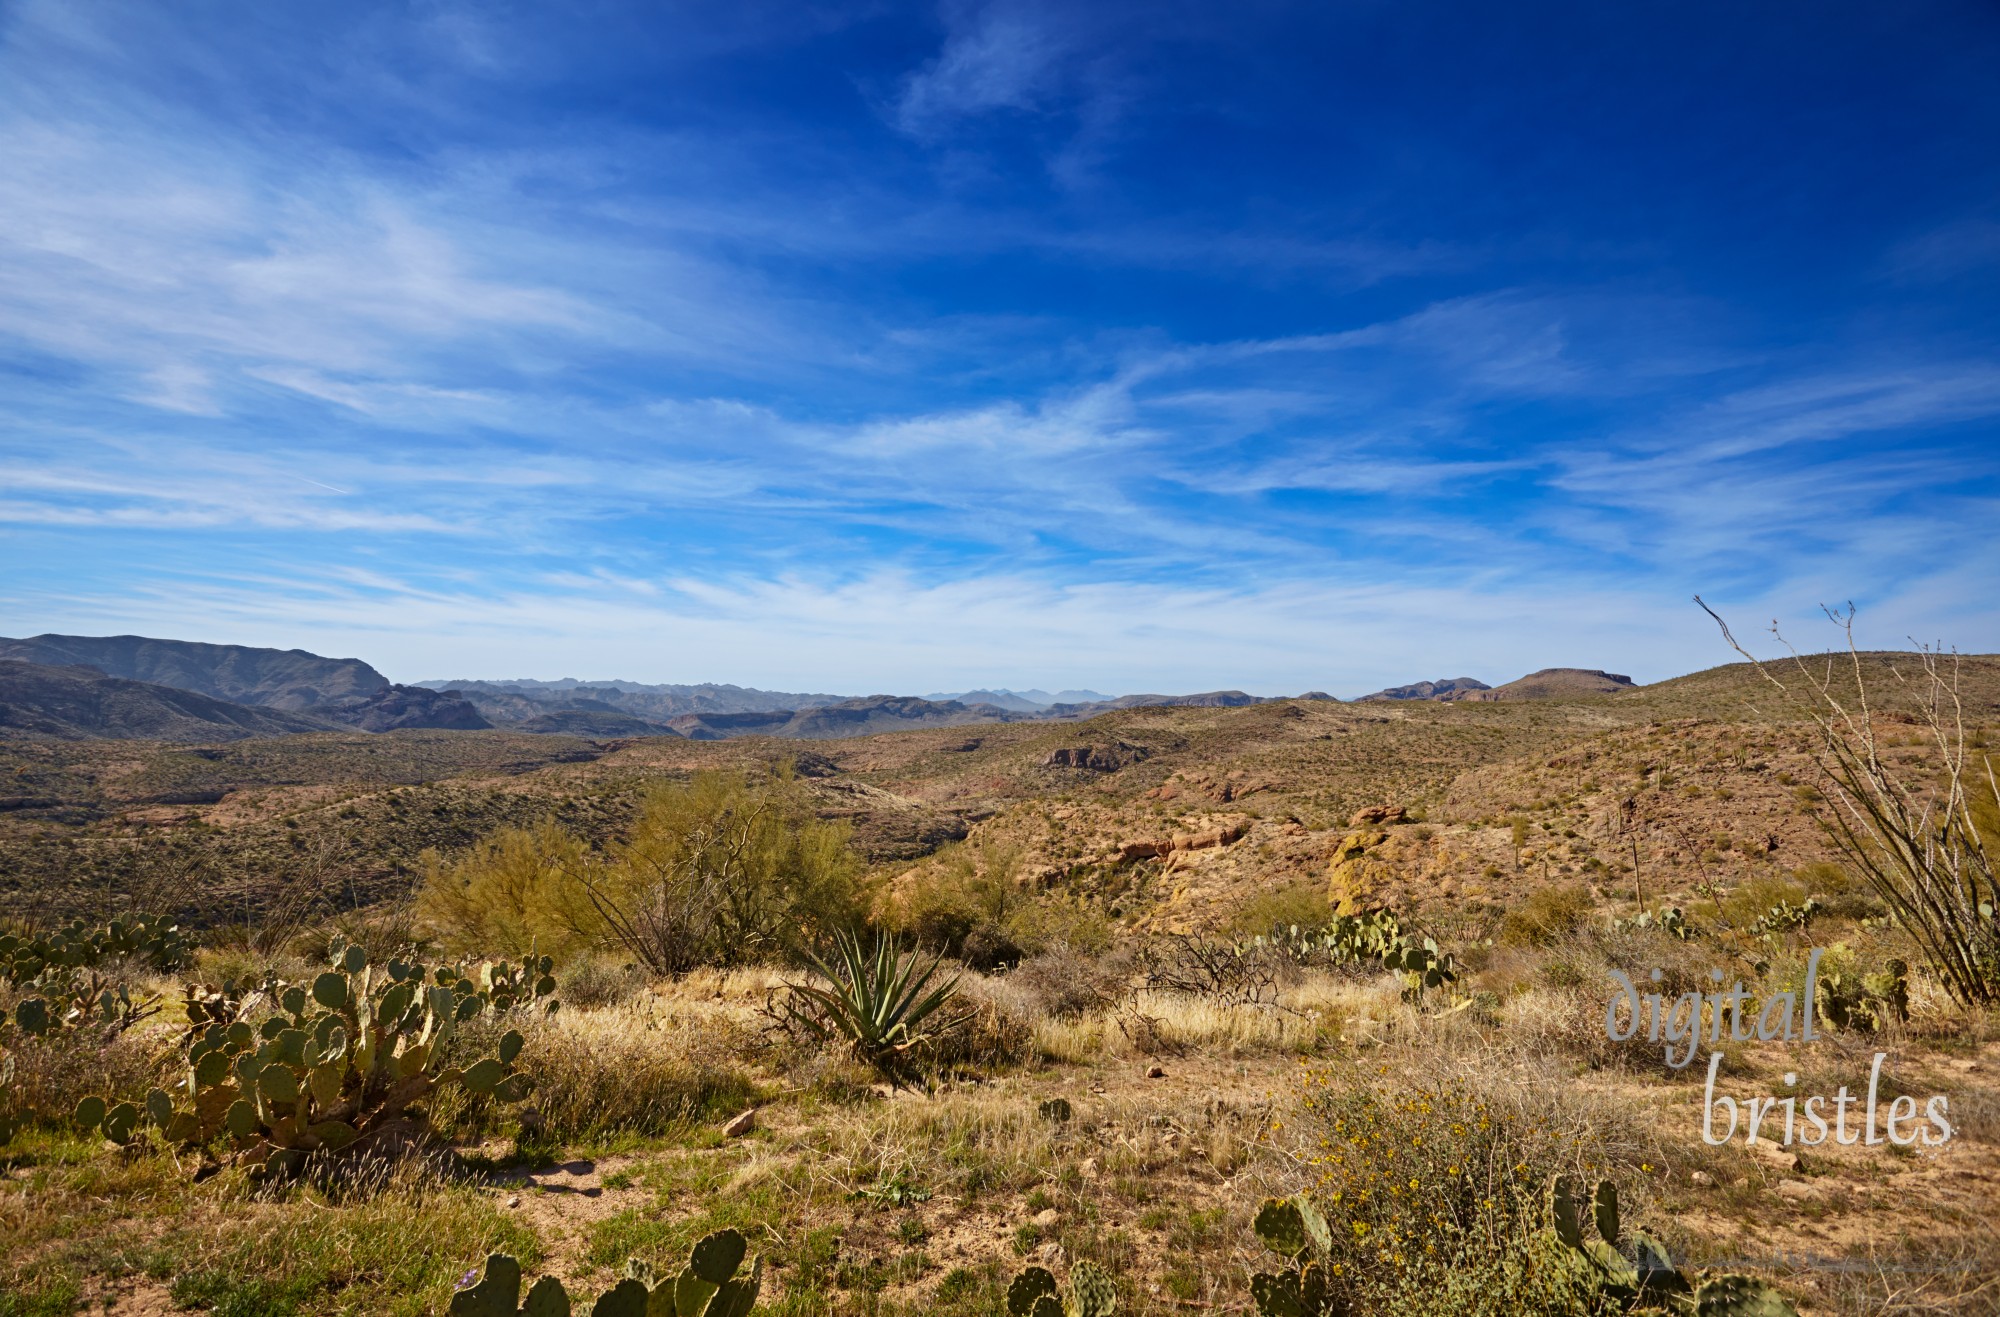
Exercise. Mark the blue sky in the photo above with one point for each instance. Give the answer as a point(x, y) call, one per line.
point(908, 347)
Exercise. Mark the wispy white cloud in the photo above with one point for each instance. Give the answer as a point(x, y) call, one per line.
point(996, 56)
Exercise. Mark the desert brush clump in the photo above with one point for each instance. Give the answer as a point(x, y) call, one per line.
point(725, 869)
point(1428, 1201)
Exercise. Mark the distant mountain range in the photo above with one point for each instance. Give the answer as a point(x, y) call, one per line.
point(1027, 701)
point(139, 687)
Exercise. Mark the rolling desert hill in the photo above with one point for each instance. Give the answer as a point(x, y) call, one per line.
point(1555, 683)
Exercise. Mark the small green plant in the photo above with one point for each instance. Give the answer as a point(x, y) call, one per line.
point(880, 1002)
point(708, 1286)
point(1035, 1293)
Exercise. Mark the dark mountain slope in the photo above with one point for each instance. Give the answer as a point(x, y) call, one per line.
point(271, 678)
point(347, 691)
point(73, 704)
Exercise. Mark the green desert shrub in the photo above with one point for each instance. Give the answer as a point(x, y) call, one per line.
point(1545, 916)
point(516, 892)
point(721, 870)
point(1303, 906)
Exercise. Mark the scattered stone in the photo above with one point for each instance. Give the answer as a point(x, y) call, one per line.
point(1155, 1072)
point(1047, 1217)
point(1703, 1180)
point(740, 1124)
point(1050, 1253)
point(514, 1200)
point(1794, 1189)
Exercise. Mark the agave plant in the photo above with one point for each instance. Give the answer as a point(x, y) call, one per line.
point(879, 1001)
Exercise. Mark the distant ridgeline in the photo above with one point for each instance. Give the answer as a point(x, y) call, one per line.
point(88, 687)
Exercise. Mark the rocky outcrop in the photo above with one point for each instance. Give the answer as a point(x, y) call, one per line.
point(1357, 882)
point(1096, 758)
point(405, 708)
point(1377, 814)
point(1227, 834)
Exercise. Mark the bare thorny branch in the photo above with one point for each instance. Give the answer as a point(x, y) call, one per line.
point(1917, 843)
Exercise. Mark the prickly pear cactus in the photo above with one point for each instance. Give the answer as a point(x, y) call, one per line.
point(708, 1286)
point(1648, 1279)
point(151, 938)
point(1034, 1293)
point(1295, 1230)
point(1091, 1293)
point(1740, 1296)
point(328, 1064)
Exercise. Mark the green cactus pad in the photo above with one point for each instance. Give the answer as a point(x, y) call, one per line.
point(1604, 1207)
point(90, 1113)
point(482, 1075)
point(1091, 1292)
point(1563, 1212)
point(628, 1298)
point(330, 990)
point(120, 1122)
point(496, 1293)
point(1276, 1295)
point(1281, 1226)
point(547, 1299)
point(716, 1257)
point(1031, 1286)
point(737, 1298)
